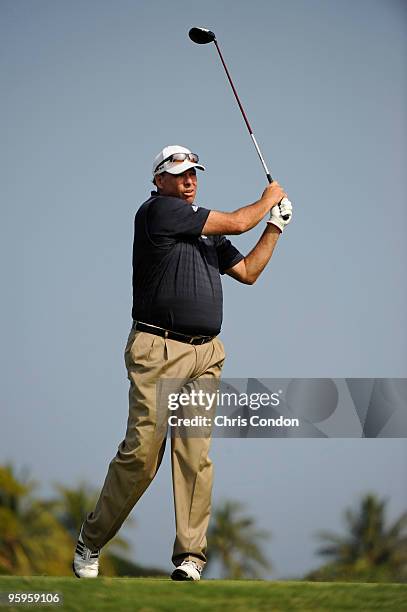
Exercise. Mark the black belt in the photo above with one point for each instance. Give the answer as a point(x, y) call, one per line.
point(166, 333)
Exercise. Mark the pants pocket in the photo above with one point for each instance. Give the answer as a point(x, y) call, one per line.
point(140, 347)
point(220, 350)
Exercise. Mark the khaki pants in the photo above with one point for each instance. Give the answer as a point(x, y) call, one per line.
point(149, 358)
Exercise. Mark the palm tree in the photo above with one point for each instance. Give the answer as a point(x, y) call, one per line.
point(38, 536)
point(369, 545)
point(71, 506)
point(235, 542)
point(31, 539)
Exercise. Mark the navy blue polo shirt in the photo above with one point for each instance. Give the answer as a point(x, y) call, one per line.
point(176, 270)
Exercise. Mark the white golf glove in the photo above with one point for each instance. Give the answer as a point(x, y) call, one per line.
point(284, 209)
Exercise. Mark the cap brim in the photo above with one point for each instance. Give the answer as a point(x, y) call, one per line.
point(180, 168)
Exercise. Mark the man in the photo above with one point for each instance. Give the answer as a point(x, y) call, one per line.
point(179, 252)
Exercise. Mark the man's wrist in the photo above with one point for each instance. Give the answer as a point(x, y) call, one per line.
point(273, 229)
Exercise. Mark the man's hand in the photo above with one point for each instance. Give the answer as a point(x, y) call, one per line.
point(277, 213)
point(274, 193)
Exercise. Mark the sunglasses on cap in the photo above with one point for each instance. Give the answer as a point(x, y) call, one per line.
point(178, 157)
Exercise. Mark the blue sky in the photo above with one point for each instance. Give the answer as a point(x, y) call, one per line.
point(90, 93)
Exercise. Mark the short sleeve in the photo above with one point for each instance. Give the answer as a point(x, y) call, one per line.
point(173, 217)
point(228, 255)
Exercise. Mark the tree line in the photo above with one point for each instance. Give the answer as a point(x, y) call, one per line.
point(37, 537)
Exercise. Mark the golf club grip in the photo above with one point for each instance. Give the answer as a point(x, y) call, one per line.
point(270, 180)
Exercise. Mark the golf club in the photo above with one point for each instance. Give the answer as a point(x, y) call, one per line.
point(202, 36)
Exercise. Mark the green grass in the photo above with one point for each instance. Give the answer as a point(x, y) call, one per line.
point(151, 594)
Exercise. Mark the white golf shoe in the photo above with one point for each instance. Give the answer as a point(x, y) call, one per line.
point(188, 570)
point(85, 562)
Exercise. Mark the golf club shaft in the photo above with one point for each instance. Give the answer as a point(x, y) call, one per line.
point(252, 136)
point(203, 36)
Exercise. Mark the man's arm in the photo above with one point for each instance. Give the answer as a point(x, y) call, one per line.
point(245, 218)
point(249, 269)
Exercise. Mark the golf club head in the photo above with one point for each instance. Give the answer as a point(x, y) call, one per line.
point(201, 36)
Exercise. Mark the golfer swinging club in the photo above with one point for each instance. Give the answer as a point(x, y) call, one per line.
point(179, 252)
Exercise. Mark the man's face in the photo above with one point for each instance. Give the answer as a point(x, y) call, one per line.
point(178, 185)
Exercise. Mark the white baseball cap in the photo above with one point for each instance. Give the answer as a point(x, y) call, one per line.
point(164, 163)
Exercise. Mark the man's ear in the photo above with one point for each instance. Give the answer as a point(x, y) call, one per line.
point(158, 180)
